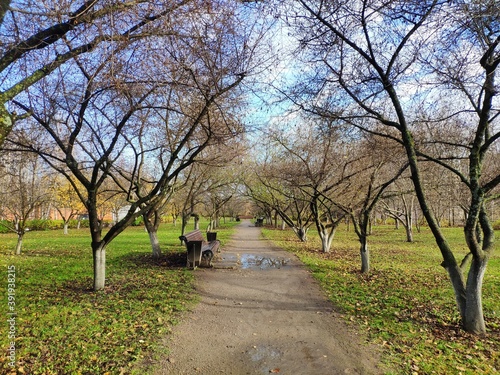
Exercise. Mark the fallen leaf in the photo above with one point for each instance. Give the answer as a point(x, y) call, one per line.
point(274, 370)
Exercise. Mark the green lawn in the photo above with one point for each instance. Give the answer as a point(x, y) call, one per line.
point(62, 327)
point(406, 303)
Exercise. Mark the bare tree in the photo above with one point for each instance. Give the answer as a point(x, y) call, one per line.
point(391, 64)
point(24, 188)
point(398, 203)
point(313, 160)
point(169, 90)
point(273, 192)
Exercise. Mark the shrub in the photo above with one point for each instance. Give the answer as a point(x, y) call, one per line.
point(138, 222)
point(42, 224)
point(4, 226)
point(73, 223)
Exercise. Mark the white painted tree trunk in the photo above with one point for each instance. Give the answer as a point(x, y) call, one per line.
point(155, 243)
point(365, 256)
point(99, 267)
point(326, 241)
point(19, 244)
point(473, 320)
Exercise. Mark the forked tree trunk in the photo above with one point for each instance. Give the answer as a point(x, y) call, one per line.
point(468, 295)
point(301, 233)
point(473, 319)
point(99, 254)
point(326, 242)
point(469, 300)
point(326, 237)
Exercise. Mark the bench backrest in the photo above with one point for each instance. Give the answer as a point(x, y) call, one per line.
point(194, 236)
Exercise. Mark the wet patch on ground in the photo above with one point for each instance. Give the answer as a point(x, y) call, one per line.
point(266, 357)
point(262, 262)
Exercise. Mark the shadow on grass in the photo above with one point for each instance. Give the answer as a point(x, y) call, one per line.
point(169, 260)
point(119, 278)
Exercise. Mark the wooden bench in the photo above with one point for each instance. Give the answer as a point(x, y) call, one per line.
point(199, 252)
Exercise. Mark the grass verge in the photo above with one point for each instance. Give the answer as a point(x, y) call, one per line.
point(405, 304)
point(63, 327)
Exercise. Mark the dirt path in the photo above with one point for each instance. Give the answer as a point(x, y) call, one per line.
point(265, 315)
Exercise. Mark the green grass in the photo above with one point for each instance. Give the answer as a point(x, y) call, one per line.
point(405, 304)
point(62, 327)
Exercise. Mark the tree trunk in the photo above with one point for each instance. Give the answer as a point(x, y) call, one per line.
point(152, 222)
point(365, 255)
point(65, 228)
point(155, 243)
point(99, 254)
point(19, 244)
point(326, 240)
point(301, 233)
point(409, 233)
point(473, 320)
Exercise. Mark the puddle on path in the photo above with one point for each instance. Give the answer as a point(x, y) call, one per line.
point(263, 352)
point(266, 357)
point(255, 261)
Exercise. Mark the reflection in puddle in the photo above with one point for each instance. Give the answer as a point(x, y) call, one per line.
point(251, 261)
point(263, 352)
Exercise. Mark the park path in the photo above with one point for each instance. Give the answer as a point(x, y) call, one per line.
point(261, 313)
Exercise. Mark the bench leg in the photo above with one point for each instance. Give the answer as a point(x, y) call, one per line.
point(207, 257)
point(194, 256)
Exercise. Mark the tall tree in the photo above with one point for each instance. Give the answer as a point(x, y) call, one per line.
point(393, 67)
point(168, 90)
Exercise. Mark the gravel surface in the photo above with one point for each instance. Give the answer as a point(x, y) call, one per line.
point(262, 313)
